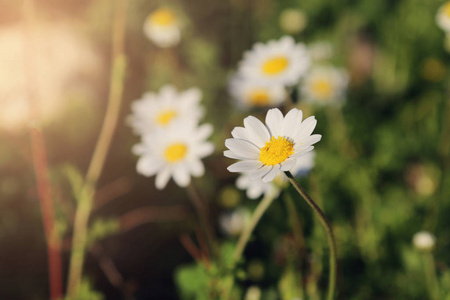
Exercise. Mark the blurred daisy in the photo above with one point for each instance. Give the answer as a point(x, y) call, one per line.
point(320, 51)
point(252, 93)
point(265, 150)
point(256, 188)
point(325, 85)
point(162, 27)
point(293, 20)
point(156, 110)
point(232, 223)
point(280, 62)
point(175, 151)
point(443, 17)
point(424, 241)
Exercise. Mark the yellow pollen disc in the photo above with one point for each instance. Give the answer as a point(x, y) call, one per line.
point(275, 65)
point(165, 117)
point(276, 151)
point(446, 9)
point(322, 89)
point(162, 17)
point(259, 97)
point(175, 152)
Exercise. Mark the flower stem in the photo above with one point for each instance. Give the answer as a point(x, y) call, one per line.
point(85, 201)
point(245, 235)
point(331, 241)
point(431, 278)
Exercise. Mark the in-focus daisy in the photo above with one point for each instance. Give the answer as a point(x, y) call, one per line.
point(265, 150)
point(443, 17)
point(162, 27)
point(175, 151)
point(324, 85)
point(255, 188)
point(281, 62)
point(156, 110)
point(252, 93)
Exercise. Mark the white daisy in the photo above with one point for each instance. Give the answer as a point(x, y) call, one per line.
point(281, 62)
point(324, 85)
point(175, 151)
point(250, 93)
point(320, 51)
point(161, 109)
point(162, 27)
point(443, 17)
point(265, 150)
point(255, 188)
point(232, 223)
point(424, 241)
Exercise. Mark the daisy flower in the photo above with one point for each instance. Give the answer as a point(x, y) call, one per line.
point(424, 241)
point(293, 20)
point(443, 17)
point(256, 188)
point(232, 223)
point(155, 110)
point(265, 150)
point(324, 85)
point(175, 151)
point(281, 62)
point(320, 51)
point(162, 27)
point(252, 93)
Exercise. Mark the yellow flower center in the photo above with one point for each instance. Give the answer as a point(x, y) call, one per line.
point(162, 17)
point(275, 65)
point(175, 152)
point(322, 89)
point(446, 9)
point(276, 151)
point(165, 117)
point(259, 97)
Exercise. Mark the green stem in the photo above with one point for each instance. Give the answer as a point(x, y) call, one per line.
point(245, 235)
point(85, 201)
point(331, 241)
point(431, 278)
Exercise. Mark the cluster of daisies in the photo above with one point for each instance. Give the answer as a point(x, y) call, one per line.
point(173, 142)
point(269, 72)
point(443, 21)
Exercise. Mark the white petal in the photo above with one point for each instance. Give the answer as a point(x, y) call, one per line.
point(196, 167)
point(204, 149)
point(257, 131)
point(291, 123)
point(148, 166)
point(258, 174)
point(162, 178)
point(242, 147)
point(302, 152)
point(245, 166)
point(311, 140)
point(255, 190)
point(240, 133)
point(181, 176)
point(271, 175)
point(288, 164)
point(231, 154)
point(274, 119)
point(307, 127)
point(204, 131)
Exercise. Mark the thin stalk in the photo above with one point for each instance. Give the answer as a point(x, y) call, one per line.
point(39, 155)
point(331, 241)
point(203, 215)
point(245, 235)
point(431, 278)
point(85, 202)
